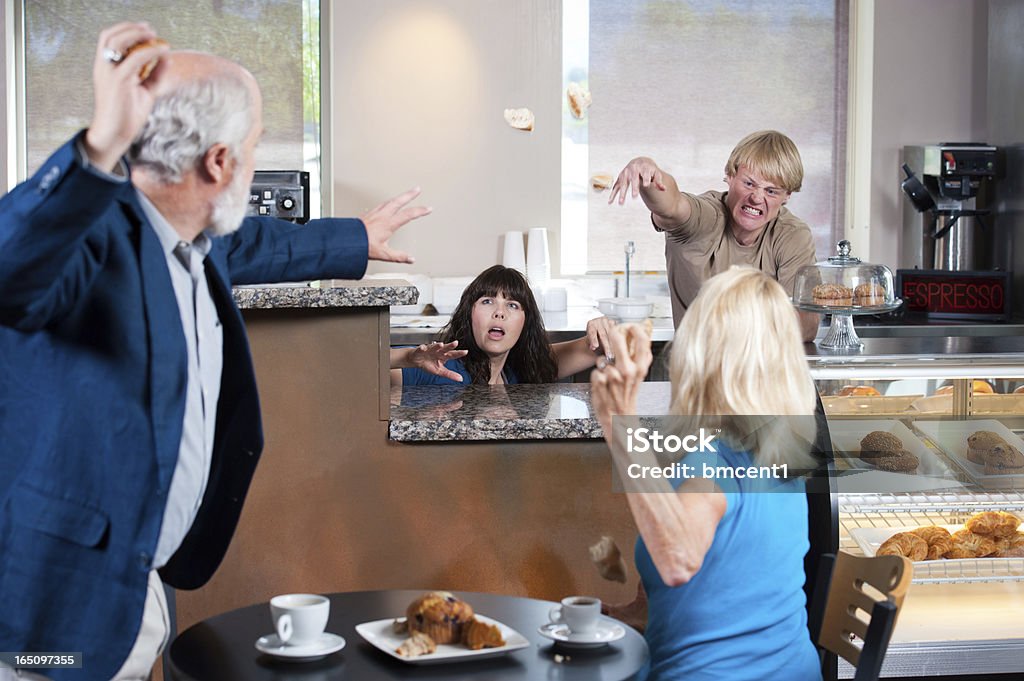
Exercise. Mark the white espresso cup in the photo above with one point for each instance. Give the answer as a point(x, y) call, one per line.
point(579, 613)
point(299, 619)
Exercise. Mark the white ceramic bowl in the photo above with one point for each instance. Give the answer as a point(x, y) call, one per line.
point(626, 309)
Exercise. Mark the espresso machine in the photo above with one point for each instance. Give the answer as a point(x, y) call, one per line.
point(944, 227)
point(947, 264)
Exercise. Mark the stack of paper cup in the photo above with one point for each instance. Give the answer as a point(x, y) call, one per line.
point(538, 267)
point(513, 256)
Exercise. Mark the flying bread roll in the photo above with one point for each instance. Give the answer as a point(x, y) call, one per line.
point(520, 119)
point(147, 68)
point(608, 559)
point(579, 99)
point(601, 181)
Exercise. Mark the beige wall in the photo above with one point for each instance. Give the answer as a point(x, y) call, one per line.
point(418, 92)
point(930, 67)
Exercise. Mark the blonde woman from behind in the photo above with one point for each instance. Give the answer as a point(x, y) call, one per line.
point(722, 562)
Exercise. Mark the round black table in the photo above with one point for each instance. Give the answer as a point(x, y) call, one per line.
point(221, 648)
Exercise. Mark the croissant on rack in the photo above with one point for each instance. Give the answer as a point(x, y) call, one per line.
point(985, 534)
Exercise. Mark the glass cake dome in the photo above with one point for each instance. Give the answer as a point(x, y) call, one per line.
point(843, 286)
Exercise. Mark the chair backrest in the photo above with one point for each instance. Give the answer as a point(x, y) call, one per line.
point(850, 611)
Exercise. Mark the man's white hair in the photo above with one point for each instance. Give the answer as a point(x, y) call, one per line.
point(186, 122)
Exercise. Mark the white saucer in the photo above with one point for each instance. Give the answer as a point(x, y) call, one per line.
point(328, 643)
point(605, 633)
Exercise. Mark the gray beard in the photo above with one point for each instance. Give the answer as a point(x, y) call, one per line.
point(229, 208)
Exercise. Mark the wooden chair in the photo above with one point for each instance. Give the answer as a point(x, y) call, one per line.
point(843, 611)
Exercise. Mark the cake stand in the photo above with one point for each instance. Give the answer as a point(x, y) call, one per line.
point(842, 336)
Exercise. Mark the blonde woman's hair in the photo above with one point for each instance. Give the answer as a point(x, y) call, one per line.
point(738, 352)
point(770, 154)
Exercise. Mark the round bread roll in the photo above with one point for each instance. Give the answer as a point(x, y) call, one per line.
point(1004, 459)
point(899, 462)
point(440, 615)
point(879, 443)
point(869, 294)
point(147, 68)
point(979, 444)
point(858, 391)
point(835, 295)
point(904, 544)
point(1019, 390)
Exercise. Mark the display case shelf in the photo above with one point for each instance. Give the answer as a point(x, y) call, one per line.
point(885, 510)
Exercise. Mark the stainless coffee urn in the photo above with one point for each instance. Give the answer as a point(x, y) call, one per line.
point(946, 224)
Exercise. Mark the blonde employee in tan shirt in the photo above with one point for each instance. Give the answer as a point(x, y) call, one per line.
point(746, 225)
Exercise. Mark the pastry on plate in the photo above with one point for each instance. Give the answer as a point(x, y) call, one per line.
point(417, 644)
point(967, 544)
point(1004, 459)
point(858, 391)
point(879, 443)
point(897, 462)
point(869, 294)
point(904, 544)
point(993, 523)
point(939, 540)
point(440, 615)
point(979, 444)
point(477, 635)
point(832, 295)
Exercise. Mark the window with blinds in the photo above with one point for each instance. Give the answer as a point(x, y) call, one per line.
point(682, 82)
point(277, 40)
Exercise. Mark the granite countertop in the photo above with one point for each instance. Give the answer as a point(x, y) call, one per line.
point(327, 293)
point(549, 411)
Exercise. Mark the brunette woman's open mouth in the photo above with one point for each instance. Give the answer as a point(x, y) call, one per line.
point(496, 333)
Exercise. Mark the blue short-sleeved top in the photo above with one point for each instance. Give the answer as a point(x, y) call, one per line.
point(417, 376)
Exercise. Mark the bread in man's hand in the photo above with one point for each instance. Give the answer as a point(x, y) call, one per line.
point(147, 68)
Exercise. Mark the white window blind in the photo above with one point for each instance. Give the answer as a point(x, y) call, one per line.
point(277, 40)
point(683, 82)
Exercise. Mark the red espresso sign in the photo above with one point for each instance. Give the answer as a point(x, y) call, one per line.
point(962, 295)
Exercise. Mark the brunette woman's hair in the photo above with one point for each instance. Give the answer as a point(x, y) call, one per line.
point(530, 359)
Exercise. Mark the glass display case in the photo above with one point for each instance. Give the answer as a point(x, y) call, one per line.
point(964, 615)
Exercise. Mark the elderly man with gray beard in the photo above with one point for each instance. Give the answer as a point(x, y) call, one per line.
point(129, 419)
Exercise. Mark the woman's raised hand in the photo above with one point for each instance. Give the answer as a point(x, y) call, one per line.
point(431, 358)
point(615, 381)
point(598, 330)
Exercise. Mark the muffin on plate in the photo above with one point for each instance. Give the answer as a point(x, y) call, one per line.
point(439, 615)
point(869, 294)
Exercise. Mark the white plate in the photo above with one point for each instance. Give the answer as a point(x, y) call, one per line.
point(382, 636)
point(869, 539)
point(952, 436)
point(606, 632)
point(328, 643)
point(856, 405)
point(847, 434)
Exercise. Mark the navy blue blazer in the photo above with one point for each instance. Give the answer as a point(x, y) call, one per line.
point(92, 398)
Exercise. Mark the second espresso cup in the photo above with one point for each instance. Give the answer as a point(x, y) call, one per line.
point(579, 613)
point(300, 619)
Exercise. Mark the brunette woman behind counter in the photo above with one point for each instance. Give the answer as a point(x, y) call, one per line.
point(496, 335)
point(723, 569)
